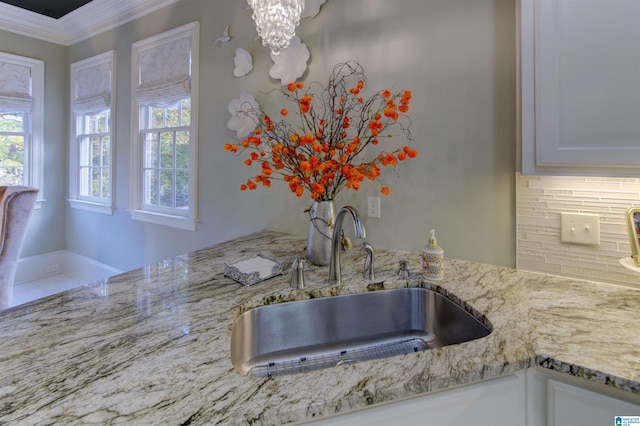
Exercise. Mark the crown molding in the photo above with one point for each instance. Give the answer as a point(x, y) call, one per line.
point(89, 20)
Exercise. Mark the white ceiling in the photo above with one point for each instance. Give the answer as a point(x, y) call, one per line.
point(87, 21)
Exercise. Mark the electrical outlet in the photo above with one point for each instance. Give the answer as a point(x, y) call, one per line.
point(580, 228)
point(373, 207)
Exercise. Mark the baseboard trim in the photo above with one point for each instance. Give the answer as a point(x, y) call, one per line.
point(65, 262)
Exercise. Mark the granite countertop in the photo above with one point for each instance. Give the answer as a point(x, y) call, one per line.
point(151, 346)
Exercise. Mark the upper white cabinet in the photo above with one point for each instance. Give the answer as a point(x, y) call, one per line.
point(579, 86)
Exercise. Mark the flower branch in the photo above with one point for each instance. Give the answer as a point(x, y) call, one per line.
point(339, 129)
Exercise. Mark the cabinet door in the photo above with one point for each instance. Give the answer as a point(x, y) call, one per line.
point(580, 86)
point(569, 405)
point(495, 402)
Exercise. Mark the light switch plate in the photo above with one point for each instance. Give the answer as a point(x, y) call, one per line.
point(580, 228)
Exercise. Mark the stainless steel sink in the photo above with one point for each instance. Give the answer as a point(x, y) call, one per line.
point(307, 335)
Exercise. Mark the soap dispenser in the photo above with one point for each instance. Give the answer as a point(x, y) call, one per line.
point(433, 259)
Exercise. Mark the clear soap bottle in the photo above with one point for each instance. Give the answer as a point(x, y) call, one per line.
point(433, 259)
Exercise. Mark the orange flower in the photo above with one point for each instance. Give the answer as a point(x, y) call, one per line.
point(386, 94)
point(284, 112)
point(307, 139)
point(389, 160)
point(291, 87)
point(247, 161)
point(360, 84)
point(385, 190)
point(299, 85)
point(412, 153)
point(243, 187)
point(402, 155)
point(305, 167)
point(232, 147)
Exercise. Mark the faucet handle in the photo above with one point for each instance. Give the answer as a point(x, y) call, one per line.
point(368, 261)
point(404, 270)
point(297, 273)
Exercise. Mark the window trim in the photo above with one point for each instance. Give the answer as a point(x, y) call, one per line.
point(35, 157)
point(137, 210)
point(75, 200)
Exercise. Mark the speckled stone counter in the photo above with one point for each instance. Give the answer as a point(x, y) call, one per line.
point(151, 346)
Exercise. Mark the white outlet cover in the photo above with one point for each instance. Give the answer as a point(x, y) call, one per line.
point(580, 228)
point(373, 207)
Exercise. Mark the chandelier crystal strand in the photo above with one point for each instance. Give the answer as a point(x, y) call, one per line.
point(276, 21)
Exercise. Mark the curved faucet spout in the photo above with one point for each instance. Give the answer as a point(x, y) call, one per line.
point(334, 263)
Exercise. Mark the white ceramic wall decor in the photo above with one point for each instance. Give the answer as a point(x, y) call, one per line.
point(291, 63)
point(225, 36)
point(240, 121)
point(311, 8)
point(243, 61)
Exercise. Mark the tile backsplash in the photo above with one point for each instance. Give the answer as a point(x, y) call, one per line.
point(539, 202)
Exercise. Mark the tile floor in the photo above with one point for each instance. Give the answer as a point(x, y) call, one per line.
point(32, 290)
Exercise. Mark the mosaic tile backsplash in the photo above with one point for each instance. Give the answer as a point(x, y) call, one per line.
point(539, 202)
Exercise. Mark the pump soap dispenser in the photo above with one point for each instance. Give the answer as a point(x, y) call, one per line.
point(433, 259)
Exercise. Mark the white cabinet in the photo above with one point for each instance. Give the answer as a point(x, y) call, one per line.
point(556, 399)
point(579, 86)
point(496, 402)
point(535, 397)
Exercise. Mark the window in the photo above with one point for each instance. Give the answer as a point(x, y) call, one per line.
point(164, 140)
point(21, 121)
point(91, 159)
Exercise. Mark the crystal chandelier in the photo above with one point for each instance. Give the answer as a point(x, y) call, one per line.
point(276, 21)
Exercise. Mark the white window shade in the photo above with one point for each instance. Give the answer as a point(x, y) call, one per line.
point(15, 88)
point(164, 74)
point(93, 90)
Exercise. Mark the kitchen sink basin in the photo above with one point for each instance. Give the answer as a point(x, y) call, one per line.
point(307, 335)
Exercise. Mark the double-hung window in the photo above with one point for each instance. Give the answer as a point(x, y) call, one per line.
point(164, 139)
point(21, 121)
point(91, 170)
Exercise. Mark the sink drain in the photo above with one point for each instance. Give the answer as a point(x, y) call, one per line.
point(333, 359)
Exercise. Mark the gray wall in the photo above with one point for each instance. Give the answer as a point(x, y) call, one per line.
point(458, 57)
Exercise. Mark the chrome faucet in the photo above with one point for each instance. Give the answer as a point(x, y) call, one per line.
point(334, 262)
point(368, 262)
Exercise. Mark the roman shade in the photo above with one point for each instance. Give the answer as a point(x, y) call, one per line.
point(15, 88)
point(164, 73)
point(93, 89)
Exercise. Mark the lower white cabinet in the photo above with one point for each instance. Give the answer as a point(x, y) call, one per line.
point(562, 400)
point(495, 402)
point(535, 397)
